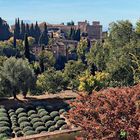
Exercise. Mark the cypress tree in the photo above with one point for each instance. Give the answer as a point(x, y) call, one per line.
point(37, 32)
point(14, 40)
point(23, 30)
point(26, 46)
point(43, 40)
point(77, 36)
point(32, 31)
point(27, 29)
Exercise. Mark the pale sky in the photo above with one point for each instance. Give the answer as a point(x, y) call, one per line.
point(58, 11)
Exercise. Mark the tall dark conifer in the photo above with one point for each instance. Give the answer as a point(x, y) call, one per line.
point(26, 46)
point(32, 31)
point(27, 29)
point(23, 30)
point(14, 40)
point(37, 32)
point(44, 39)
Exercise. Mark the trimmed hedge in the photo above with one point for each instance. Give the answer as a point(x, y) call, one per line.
point(31, 112)
point(63, 127)
point(4, 123)
point(19, 134)
point(34, 120)
point(37, 124)
point(52, 128)
point(5, 129)
point(24, 124)
point(46, 118)
point(54, 114)
point(10, 110)
point(49, 123)
point(60, 123)
point(22, 119)
point(3, 115)
point(40, 129)
point(34, 116)
point(41, 110)
point(43, 113)
point(11, 114)
point(28, 128)
point(30, 133)
point(57, 118)
point(22, 115)
point(40, 107)
point(16, 129)
point(20, 110)
point(4, 119)
point(61, 111)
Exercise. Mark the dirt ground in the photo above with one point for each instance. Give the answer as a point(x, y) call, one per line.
point(51, 98)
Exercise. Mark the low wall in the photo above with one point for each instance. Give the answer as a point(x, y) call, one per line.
point(57, 135)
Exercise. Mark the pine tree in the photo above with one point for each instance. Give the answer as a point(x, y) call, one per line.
point(26, 45)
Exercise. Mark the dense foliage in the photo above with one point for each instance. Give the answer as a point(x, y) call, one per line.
point(110, 114)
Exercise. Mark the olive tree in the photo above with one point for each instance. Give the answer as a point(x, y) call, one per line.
point(16, 76)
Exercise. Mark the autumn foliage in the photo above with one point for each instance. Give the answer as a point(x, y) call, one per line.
point(111, 114)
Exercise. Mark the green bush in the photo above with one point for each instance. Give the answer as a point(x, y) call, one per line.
point(11, 114)
point(57, 118)
point(60, 123)
point(43, 113)
point(40, 129)
point(52, 128)
point(20, 110)
point(49, 123)
point(3, 136)
point(16, 129)
point(63, 127)
point(34, 120)
point(22, 115)
point(46, 118)
point(49, 108)
point(37, 124)
point(40, 107)
point(3, 115)
point(14, 122)
point(5, 129)
point(4, 123)
point(19, 134)
point(31, 112)
point(41, 110)
point(14, 126)
point(4, 119)
point(34, 116)
point(22, 119)
point(54, 114)
point(61, 111)
point(3, 110)
point(31, 132)
point(28, 128)
point(24, 124)
point(10, 111)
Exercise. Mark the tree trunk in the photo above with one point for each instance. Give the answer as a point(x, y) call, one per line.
point(14, 95)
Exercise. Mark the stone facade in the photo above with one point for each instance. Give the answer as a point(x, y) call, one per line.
point(94, 31)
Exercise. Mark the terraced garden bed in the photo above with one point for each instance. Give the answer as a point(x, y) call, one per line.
point(32, 119)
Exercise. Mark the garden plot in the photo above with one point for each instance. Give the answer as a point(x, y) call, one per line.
point(34, 119)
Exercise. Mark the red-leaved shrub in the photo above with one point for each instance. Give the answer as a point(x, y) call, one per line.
point(111, 114)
